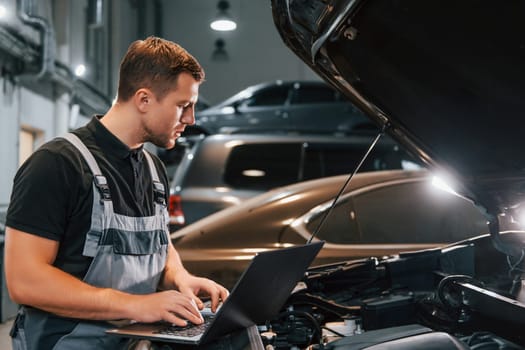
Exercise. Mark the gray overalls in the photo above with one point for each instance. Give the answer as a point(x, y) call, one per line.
point(129, 254)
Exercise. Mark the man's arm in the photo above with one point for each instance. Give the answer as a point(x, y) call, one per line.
point(33, 280)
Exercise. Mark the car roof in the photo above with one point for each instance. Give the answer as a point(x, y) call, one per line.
point(285, 138)
point(248, 91)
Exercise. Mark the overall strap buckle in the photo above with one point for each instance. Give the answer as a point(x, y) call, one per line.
point(102, 184)
point(159, 193)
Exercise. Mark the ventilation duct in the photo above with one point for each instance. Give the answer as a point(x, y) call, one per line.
point(47, 37)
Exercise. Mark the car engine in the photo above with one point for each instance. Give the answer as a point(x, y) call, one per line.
point(467, 295)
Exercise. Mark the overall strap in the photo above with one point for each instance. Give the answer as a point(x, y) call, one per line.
point(99, 179)
point(158, 187)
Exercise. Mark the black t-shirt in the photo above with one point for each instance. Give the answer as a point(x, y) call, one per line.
point(53, 190)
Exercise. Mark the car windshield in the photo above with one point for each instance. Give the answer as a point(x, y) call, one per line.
point(240, 96)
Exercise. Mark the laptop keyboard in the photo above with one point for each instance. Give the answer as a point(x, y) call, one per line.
point(191, 330)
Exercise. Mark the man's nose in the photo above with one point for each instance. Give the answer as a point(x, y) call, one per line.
point(188, 116)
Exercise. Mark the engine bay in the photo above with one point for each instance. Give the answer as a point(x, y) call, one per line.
point(467, 295)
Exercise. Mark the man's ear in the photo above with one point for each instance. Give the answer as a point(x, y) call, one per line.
point(142, 99)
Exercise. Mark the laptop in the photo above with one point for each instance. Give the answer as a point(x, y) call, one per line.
point(258, 296)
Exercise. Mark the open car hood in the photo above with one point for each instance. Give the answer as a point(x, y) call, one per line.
point(446, 79)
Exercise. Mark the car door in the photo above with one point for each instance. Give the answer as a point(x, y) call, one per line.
point(319, 108)
point(263, 110)
point(262, 166)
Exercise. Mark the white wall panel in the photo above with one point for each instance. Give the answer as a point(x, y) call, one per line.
point(9, 126)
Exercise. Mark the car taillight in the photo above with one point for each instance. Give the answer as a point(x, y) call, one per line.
point(175, 210)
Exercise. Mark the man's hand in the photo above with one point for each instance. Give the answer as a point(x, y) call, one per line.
point(177, 277)
point(170, 306)
point(194, 287)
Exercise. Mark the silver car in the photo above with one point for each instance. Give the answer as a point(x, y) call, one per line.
point(284, 106)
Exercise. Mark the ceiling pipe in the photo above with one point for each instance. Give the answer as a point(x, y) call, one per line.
point(47, 37)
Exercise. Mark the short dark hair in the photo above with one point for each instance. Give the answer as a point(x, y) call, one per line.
point(155, 63)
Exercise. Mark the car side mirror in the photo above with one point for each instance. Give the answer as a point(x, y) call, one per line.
point(235, 107)
point(231, 109)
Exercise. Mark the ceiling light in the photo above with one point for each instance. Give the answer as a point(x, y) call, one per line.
point(223, 25)
point(223, 21)
point(3, 11)
point(80, 70)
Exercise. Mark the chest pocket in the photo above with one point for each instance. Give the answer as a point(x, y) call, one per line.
point(137, 243)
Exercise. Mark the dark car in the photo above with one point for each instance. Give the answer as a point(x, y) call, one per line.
point(217, 171)
point(379, 214)
point(201, 104)
point(445, 79)
point(283, 106)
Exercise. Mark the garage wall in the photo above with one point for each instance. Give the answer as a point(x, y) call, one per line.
point(8, 139)
point(22, 108)
point(255, 50)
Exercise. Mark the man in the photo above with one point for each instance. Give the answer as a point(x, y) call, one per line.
point(86, 237)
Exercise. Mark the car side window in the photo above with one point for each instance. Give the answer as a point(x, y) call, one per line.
point(401, 213)
point(276, 95)
point(262, 166)
point(328, 160)
point(415, 213)
point(313, 94)
point(340, 227)
point(385, 158)
point(335, 159)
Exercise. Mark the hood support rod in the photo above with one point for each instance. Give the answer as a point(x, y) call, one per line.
point(343, 188)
